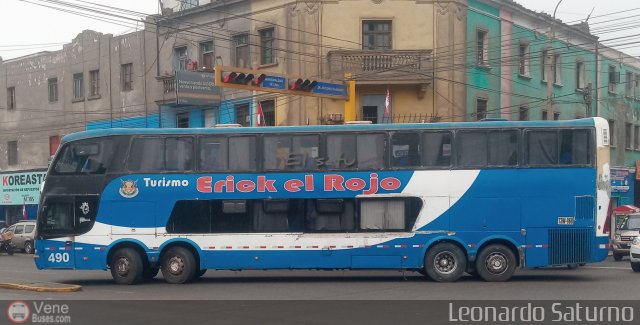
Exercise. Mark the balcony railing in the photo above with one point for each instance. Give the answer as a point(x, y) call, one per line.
point(169, 85)
point(377, 67)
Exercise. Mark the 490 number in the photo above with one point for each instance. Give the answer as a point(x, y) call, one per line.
point(58, 258)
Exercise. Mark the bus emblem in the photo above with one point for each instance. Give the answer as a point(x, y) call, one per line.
point(129, 188)
point(84, 207)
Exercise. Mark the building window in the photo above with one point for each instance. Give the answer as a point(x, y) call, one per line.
point(481, 108)
point(629, 86)
point(556, 69)
point(180, 55)
point(580, 83)
point(241, 51)
point(545, 115)
point(188, 4)
point(126, 75)
point(269, 112)
point(614, 78)
point(78, 86)
point(242, 115)
point(628, 128)
point(206, 55)
point(636, 137)
point(54, 143)
point(12, 153)
point(523, 59)
point(11, 97)
point(482, 47)
point(637, 87)
point(53, 89)
point(182, 120)
point(543, 64)
point(524, 113)
point(612, 133)
point(266, 46)
point(556, 116)
point(94, 81)
point(376, 35)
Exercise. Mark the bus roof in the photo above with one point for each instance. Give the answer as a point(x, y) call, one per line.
point(321, 128)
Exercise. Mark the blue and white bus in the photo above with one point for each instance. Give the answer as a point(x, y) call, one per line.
point(441, 199)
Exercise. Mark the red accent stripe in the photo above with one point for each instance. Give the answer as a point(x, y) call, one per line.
point(332, 247)
point(297, 246)
point(349, 246)
point(245, 247)
point(212, 247)
point(528, 246)
point(263, 247)
point(545, 245)
point(228, 247)
point(315, 246)
point(367, 246)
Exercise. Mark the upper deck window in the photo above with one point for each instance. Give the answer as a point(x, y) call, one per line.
point(161, 154)
point(298, 152)
point(220, 153)
point(559, 147)
point(355, 151)
point(90, 156)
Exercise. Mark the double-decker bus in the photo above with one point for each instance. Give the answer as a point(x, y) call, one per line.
point(438, 198)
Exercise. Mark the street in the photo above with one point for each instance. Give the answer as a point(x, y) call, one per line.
point(609, 280)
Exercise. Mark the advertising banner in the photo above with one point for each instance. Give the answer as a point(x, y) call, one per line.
point(21, 188)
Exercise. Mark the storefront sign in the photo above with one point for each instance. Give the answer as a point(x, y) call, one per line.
point(21, 188)
point(620, 179)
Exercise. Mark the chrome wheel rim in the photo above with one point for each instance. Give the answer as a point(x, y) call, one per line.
point(123, 266)
point(496, 263)
point(175, 265)
point(445, 262)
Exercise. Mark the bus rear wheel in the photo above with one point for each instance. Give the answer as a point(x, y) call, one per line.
point(496, 263)
point(445, 262)
point(178, 265)
point(126, 266)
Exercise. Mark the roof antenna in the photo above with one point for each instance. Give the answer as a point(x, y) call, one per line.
point(589, 16)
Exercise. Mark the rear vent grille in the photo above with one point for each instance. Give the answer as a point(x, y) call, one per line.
point(585, 207)
point(567, 246)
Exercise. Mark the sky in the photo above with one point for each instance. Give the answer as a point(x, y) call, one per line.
point(27, 28)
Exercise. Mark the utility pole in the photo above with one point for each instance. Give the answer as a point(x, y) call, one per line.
point(549, 60)
point(588, 99)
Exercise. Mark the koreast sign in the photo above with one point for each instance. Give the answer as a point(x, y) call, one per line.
point(20, 188)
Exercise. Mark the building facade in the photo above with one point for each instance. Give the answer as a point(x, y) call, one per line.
point(430, 61)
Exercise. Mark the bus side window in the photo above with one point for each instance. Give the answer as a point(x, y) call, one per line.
point(542, 148)
point(436, 149)
point(178, 153)
point(212, 153)
point(503, 147)
point(242, 153)
point(271, 215)
point(330, 215)
point(405, 149)
point(472, 149)
point(574, 147)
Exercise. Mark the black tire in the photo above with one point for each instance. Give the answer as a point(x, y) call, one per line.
point(617, 257)
point(445, 262)
point(179, 265)
point(150, 272)
point(28, 248)
point(496, 263)
point(126, 266)
point(635, 267)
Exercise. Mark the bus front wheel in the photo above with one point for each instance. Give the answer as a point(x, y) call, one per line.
point(126, 266)
point(445, 262)
point(496, 263)
point(178, 265)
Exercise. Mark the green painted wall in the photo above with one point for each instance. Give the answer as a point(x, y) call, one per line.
point(483, 81)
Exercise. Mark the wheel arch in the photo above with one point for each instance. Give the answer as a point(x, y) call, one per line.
point(446, 239)
point(136, 245)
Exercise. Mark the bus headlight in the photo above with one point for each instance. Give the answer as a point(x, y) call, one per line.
point(636, 241)
point(618, 238)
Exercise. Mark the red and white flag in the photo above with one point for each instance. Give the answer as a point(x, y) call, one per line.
point(260, 116)
point(24, 211)
point(387, 109)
